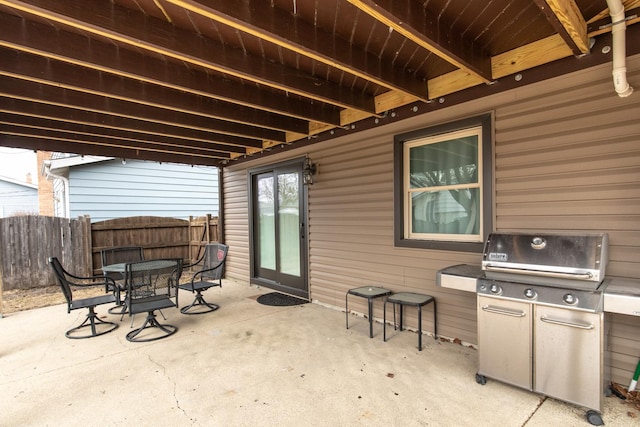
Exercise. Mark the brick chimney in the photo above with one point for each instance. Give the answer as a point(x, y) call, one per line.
point(45, 187)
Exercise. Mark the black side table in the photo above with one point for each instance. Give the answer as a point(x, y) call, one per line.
point(415, 300)
point(370, 293)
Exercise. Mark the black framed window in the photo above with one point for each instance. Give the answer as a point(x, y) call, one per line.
point(442, 185)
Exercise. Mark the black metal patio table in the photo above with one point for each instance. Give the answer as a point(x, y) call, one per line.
point(121, 268)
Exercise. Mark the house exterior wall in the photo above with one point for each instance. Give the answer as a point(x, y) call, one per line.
point(111, 189)
point(45, 187)
point(17, 199)
point(566, 158)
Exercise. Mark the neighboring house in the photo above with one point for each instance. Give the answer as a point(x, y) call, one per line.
point(17, 198)
point(106, 188)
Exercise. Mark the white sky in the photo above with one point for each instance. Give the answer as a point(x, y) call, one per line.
point(16, 163)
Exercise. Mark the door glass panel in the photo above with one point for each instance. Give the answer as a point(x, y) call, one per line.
point(289, 223)
point(266, 223)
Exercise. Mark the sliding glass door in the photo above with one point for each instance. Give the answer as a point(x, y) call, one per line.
point(278, 232)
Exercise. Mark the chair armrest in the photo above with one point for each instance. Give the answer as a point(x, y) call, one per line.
point(89, 281)
point(201, 272)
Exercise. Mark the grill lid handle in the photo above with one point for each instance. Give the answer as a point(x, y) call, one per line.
point(583, 276)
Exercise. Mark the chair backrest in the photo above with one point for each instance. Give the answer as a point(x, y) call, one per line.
point(62, 276)
point(215, 256)
point(120, 255)
point(152, 278)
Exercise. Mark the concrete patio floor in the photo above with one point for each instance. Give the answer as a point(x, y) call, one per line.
point(253, 365)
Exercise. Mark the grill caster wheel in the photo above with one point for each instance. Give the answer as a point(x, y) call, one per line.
point(482, 380)
point(594, 418)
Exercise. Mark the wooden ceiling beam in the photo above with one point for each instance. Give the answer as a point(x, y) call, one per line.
point(161, 141)
point(529, 56)
point(407, 17)
point(46, 71)
point(46, 41)
point(287, 31)
point(34, 142)
point(567, 20)
point(47, 94)
point(125, 26)
point(72, 115)
point(62, 135)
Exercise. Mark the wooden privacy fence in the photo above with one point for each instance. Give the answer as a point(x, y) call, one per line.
point(28, 241)
point(159, 237)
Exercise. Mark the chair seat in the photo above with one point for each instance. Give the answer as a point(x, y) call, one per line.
point(201, 285)
point(148, 304)
point(91, 301)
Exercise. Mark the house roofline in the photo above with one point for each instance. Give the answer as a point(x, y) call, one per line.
point(18, 182)
point(60, 166)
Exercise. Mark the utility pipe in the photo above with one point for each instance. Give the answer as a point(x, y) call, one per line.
point(65, 184)
point(618, 30)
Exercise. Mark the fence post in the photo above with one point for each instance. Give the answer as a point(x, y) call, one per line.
point(87, 248)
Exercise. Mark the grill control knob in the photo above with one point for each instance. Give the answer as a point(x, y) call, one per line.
point(530, 293)
point(495, 289)
point(570, 299)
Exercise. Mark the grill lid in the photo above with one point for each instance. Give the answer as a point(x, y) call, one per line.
point(563, 257)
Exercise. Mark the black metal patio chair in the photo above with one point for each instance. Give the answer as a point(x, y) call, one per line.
point(207, 273)
point(67, 282)
point(152, 285)
point(120, 255)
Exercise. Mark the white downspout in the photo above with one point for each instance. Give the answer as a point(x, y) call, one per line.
point(65, 184)
point(618, 30)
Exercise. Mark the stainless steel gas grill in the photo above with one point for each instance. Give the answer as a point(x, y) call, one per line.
point(540, 315)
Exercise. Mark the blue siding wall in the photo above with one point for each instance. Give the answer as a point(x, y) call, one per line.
point(111, 189)
point(17, 199)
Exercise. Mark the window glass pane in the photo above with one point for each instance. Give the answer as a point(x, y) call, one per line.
point(266, 225)
point(289, 223)
point(446, 212)
point(449, 162)
point(443, 190)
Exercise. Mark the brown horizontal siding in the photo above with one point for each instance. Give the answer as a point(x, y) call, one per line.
point(352, 242)
point(567, 157)
point(236, 224)
point(623, 346)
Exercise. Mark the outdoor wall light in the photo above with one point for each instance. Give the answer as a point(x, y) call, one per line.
point(308, 172)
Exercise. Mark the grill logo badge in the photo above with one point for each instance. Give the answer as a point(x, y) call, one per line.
point(498, 256)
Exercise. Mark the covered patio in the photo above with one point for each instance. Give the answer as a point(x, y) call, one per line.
point(248, 364)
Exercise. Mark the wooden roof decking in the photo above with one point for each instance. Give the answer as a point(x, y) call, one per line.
point(212, 81)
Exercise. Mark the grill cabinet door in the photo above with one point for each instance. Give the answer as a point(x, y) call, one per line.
point(504, 340)
point(569, 356)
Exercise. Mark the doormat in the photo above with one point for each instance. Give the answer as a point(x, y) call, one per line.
point(278, 299)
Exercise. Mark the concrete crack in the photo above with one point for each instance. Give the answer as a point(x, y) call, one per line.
point(175, 394)
point(542, 399)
